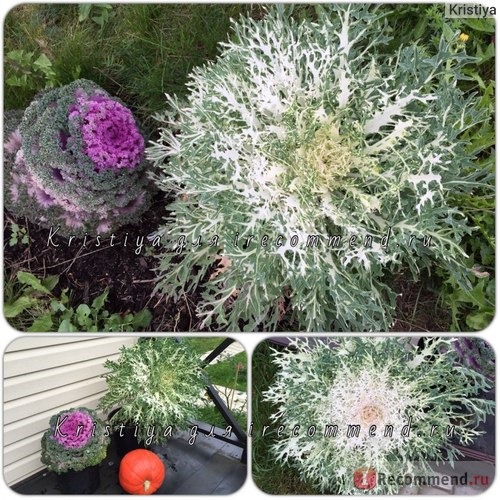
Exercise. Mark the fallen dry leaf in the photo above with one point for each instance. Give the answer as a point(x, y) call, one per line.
point(224, 263)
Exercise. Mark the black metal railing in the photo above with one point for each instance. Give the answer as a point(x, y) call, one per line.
point(240, 438)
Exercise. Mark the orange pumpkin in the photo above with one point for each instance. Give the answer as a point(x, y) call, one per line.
point(141, 472)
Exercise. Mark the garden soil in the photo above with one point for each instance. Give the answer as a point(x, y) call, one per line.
point(130, 277)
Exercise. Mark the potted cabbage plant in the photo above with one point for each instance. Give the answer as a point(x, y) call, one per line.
point(153, 388)
point(73, 447)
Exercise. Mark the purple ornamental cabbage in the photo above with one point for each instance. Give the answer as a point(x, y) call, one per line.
point(477, 354)
point(109, 131)
point(76, 439)
point(73, 429)
point(76, 161)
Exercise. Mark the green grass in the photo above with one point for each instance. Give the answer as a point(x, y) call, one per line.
point(225, 372)
point(210, 415)
point(141, 52)
point(268, 475)
point(201, 345)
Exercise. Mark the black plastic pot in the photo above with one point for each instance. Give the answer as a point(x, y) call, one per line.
point(125, 440)
point(124, 437)
point(81, 482)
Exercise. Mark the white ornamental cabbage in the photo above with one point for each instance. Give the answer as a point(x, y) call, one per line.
point(155, 384)
point(412, 407)
point(308, 167)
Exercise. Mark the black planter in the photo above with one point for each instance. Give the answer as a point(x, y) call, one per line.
point(125, 440)
point(81, 482)
point(124, 437)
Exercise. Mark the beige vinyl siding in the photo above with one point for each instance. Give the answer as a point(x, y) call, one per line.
point(44, 375)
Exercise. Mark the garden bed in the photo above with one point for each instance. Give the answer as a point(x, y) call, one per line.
point(130, 278)
point(139, 52)
point(88, 272)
